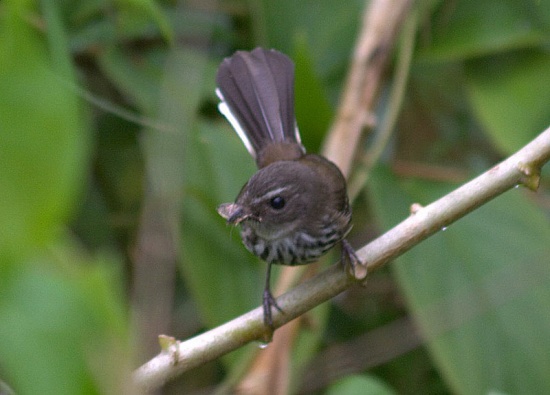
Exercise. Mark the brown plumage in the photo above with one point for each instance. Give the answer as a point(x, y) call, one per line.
point(295, 207)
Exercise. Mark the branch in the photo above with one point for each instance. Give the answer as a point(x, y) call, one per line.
point(381, 22)
point(521, 168)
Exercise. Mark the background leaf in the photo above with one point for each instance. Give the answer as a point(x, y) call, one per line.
point(468, 29)
point(71, 327)
point(496, 86)
point(43, 141)
point(359, 384)
point(224, 277)
point(468, 285)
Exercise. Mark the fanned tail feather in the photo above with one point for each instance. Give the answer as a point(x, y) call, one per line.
point(257, 93)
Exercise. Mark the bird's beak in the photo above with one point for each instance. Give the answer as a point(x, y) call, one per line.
point(233, 213)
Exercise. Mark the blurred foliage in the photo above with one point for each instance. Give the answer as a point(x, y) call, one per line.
point(106, 105)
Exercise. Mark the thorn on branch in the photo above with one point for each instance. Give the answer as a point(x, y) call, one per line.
point(531, 175)
point(170, 345)
point(415, 207)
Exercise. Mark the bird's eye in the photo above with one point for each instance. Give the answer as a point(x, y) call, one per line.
point(277, 202)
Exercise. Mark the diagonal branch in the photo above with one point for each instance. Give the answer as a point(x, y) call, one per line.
point(521, 168)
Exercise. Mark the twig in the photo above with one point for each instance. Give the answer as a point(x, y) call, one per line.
point(384, 133)
point(521, 168)
point(380, 25)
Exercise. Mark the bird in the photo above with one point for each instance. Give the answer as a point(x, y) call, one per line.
point(295, 207)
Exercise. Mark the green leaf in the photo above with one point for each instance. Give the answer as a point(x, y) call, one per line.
point(510, 95)
point(69, 323)
point(327, 26)
point(43, 143)
point(313, 110)
point(471, 28)
point(480, 291)
point(226, 280)
point(138, 80)
point(136, 13)
point(366, 385)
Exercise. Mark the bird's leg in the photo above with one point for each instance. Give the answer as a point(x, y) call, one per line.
point(351, 262)
point(269, 301)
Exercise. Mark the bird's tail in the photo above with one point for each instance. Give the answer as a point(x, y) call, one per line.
point(257, 97)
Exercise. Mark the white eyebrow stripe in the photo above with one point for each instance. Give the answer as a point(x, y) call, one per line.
point(269, 195)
